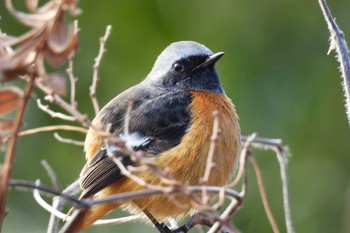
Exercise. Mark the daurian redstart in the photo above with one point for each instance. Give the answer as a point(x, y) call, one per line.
point(171, 120)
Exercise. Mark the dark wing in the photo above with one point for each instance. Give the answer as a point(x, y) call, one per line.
point(156, 124)
point(101, 172)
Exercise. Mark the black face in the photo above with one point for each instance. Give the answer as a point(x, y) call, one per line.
point(184, 75)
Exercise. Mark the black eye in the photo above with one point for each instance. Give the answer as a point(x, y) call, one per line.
point(178, 67)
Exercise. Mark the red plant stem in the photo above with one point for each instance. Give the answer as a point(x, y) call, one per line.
point(5, 172)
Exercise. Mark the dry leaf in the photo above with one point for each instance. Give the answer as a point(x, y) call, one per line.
point(57, 82)
point(10, 98)
point(6, 126)
point(49, 38)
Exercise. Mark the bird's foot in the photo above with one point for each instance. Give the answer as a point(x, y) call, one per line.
point(196, 219)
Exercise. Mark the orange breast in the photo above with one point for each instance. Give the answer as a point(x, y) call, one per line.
point(187, 161)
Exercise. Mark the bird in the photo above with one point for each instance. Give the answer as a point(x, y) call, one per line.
point(171, 121)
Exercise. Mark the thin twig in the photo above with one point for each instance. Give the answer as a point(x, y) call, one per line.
point(236, 202)
point(96, 67)
point(52, 174)
point(85, 203)
point(53, 114)
point(52, 128)
point(242, 159)
point(10, 153)
point(57, 205)
point(282, 156)
point(338, 43)
point(62, 216)
point(73, 81)
point(264, 195)
point(48, 190)
point(210, 164)
point(68, 140)
point(53, 98)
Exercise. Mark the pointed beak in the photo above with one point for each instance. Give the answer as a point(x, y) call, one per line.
point(211, 60)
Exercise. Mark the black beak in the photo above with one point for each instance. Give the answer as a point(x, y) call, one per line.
point(211, 60)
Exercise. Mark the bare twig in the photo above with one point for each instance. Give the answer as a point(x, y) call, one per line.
point(52, 128)
point(10, 153)
point(73, 81)
point(338, 43)
point(53, 114)
point(210, 164)
point(33, 185)
point(52, 174)
point(70, 73)
point(68, 140)
point(85, 203)
point(57, 205)
point(242, 159)
point(96, 66)
point(53, 98)
point(264, 195)
point(62, 216)
point(236, 202)
point(282, 156)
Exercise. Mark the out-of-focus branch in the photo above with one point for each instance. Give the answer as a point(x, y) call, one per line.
point(67, 140)
point(264, 195)
point(52, 128)
point(5, 172)
point(282, 156)
point(53, 114)
point(338, 42)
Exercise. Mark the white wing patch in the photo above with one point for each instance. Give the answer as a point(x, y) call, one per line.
point(135, 140)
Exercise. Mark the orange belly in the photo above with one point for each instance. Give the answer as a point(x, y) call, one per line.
point(187, 161)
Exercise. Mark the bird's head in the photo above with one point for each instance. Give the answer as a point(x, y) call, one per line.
point(186, 65)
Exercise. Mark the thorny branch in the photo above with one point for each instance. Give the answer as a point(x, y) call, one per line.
point(338, 43)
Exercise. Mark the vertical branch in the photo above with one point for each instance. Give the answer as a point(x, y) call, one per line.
point(282, 159)
point(209, 163)
point(73, 81)
point(263, 195)
point(10, 153)
point(339, 44)
point(70, 73)
point(96, 66)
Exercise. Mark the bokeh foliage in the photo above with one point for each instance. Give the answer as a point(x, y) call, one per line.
point(275, 69)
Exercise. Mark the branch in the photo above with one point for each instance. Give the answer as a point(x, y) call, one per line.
point(209, 163)
point(70, 73)
point(264, 195)
point(282, 156)
point(88, 202)
point(57, 205)
point(10, 153)
point(36, 185)
point(54, 98)
point(68, 140)
point(53, 114)
point(337, 42)
point(96, 66)
point(52, 128)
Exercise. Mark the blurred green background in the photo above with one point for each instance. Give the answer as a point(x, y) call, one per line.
point(275, 69)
